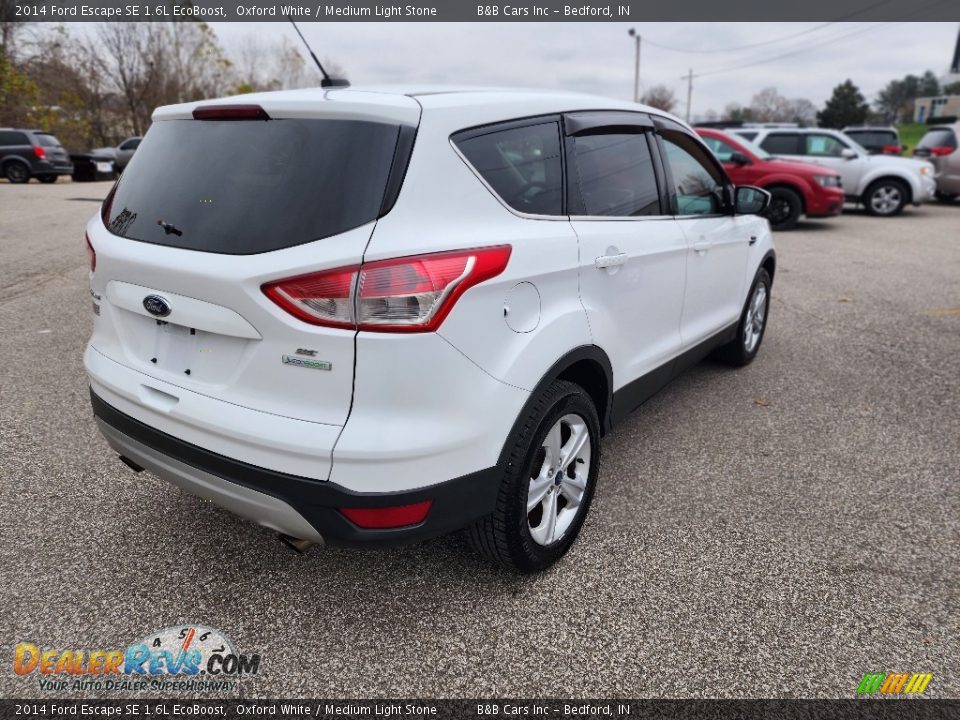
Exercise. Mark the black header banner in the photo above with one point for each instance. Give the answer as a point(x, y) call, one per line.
point(477, 10)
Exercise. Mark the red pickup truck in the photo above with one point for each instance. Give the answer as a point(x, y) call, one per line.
point(797, 188)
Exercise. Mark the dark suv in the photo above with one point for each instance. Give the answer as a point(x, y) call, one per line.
point(32, 153)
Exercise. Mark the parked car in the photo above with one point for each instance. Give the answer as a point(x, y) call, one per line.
point(87, 168)
point(32, 153)
point(939, 146)
point(884, 184)
point(443, 340)
point(877, 140)
point(121, 154)
point(796, 188)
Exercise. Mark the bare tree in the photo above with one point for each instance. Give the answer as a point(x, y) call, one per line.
point(660, 97)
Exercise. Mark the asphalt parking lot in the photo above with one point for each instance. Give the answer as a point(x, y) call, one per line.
point(776, 531)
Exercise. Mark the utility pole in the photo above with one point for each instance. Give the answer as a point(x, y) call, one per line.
point(689, 78)
point(632, 32)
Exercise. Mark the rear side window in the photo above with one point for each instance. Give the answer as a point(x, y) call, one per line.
point(615, 175)
point(241, 187)
point(521, 164)
point(874, 138)
point(8, 137)
point(47, 140)
point(130, 145)
point(938, 137)
point(782, 144)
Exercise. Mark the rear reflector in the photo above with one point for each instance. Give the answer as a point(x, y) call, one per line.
point(388, 517)
point(409, 294)
point(230, 112)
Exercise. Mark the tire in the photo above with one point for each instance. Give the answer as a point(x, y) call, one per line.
point(48, 179)
point(17, 173)
point(785, 209)
point(946, 197)
point(885, 197)
point(744, 347)
point(520, 539)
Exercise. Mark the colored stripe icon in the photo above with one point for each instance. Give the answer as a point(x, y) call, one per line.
point(894, 683)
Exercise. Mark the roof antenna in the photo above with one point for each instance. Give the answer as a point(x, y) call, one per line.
point(327, 82)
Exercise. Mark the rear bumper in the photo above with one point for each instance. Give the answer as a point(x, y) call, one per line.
point(290, 504)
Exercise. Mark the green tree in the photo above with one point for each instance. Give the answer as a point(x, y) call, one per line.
point(847, 106)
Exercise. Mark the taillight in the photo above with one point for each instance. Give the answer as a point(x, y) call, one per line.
point(941, 150)
point(410, 294)
point(91, 253)
point(388, 517)
point(39, 152)
point(230, 112)
point(891, 149)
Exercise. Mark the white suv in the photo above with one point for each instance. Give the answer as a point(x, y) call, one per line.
point(884, 184)
point(372, 316)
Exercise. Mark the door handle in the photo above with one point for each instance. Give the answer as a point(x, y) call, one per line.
point(753, 240)
point(701, 246)
point(609, 261)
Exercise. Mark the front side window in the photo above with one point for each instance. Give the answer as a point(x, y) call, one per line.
point(782, 144)
point(521, 164)
point(697, 181)
point(615, 175)
point(824, 146)
point(723, 151)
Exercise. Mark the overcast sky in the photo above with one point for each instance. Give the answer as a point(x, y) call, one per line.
point(598, 57)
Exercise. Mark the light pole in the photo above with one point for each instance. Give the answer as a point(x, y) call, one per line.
point(632, 32)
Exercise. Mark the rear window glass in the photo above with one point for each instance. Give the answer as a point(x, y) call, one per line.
point(874, 138)
point(938, 137)
point(240, 187)
point(522, 165)
point(47, 140)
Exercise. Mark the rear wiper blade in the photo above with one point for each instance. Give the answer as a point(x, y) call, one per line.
point(170, 228)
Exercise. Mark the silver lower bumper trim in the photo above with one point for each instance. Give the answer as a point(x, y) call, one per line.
point(259, 507)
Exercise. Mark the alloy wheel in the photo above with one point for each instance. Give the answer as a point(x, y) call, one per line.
point(558, 479)
point(755, 319)
point(886, 199)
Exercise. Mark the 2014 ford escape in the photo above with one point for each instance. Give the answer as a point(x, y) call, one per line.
point(368, 316)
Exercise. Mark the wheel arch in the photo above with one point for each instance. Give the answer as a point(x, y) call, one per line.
point(769, 263)
point(905, 181)
point(788, 184)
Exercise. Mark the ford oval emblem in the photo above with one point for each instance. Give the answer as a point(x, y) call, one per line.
point(156, 306)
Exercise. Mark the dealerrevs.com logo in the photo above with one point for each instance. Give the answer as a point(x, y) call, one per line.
point(192, 658)
point(894, 683)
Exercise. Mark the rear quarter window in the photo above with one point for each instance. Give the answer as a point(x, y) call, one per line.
point(521, 164)
point(782, 144)
point(252, 186)
point(938, 137)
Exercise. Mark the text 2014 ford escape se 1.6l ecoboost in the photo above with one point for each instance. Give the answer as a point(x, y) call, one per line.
point(370, 316)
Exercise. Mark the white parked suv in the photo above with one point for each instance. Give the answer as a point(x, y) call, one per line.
point(372, 316)
point(884, 184)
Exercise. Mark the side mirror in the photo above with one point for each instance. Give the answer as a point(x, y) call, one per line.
point(738, 158)
point(848, 154)
point(749, 200)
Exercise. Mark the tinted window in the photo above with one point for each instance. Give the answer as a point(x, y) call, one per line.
point(697, 181)
point(522, 165)
point(47, 140)
point(749, 135)
point(8, 137)
point(938, 137)
point(130, 145)
point(782, 144)
point(243, 187)
point(722, 150)
point(874, 139)
point(824, 145)
point(615, 175)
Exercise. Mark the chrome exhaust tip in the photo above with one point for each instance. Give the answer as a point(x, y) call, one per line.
point(296, 544)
